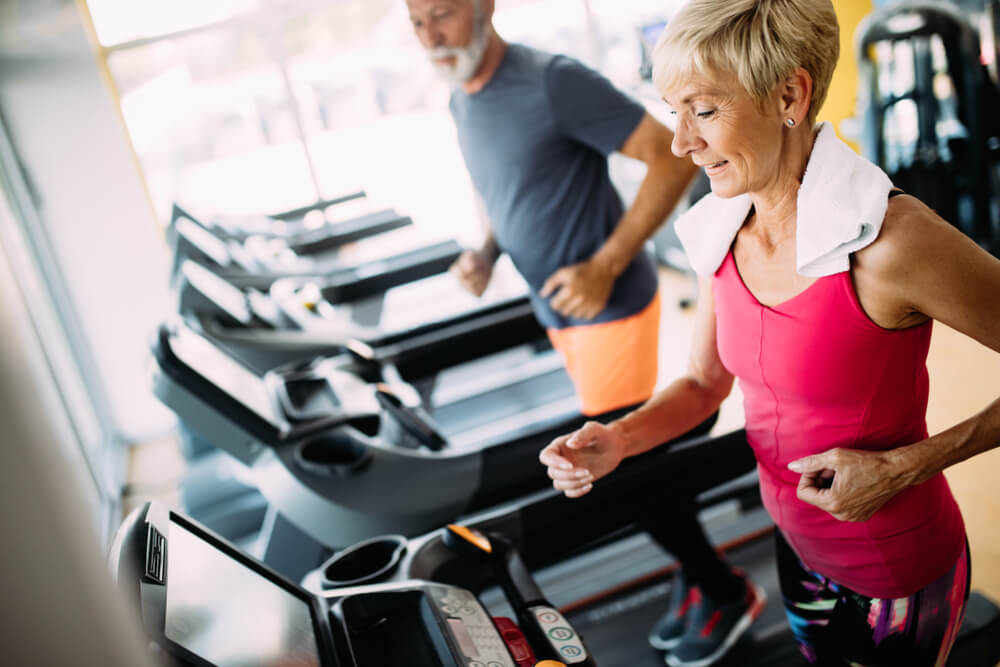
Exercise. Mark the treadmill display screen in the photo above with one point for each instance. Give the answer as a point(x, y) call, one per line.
point(211, 245)
point(220, 369)
point(230, 615)
point(461, 633)
point(228, 297)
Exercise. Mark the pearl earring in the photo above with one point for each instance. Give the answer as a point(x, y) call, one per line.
point(790, 122)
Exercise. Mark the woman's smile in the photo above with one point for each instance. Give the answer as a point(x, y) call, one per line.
point(716, 167)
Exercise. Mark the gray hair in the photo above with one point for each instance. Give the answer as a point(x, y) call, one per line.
point(759, 42)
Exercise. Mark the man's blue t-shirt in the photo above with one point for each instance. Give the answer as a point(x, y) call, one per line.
point(535, 140)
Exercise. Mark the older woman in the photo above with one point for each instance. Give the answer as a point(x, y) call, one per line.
point(820, 285)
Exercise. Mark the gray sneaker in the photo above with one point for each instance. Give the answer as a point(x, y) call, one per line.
point(712, 629)
point(669, 629)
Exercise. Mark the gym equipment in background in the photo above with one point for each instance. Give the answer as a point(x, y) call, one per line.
point(931, 113)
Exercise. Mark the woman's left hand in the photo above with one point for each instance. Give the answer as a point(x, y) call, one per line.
point(850, 484)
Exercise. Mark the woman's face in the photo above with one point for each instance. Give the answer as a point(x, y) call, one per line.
point(722, 129)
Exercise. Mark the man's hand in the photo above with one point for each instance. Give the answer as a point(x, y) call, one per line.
point(575, 461)
point(850, 484)
point(473, 268)
point(580, 290)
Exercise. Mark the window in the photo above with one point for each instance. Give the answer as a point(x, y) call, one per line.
point(251, 106)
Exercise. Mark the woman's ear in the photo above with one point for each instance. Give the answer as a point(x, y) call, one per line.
point(796, 95)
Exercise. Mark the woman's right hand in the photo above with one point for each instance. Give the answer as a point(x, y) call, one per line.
point(576, 460)
point(473, 268)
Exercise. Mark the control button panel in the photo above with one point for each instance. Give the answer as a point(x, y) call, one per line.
point(566, 643)
point(471, 627)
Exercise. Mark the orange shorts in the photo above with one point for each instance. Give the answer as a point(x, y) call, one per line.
point(612, 364)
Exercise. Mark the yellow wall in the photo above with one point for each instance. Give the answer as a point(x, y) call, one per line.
point(841, 100)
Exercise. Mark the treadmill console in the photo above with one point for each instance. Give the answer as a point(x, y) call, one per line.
point(203, 292)
point(204, 602)
point(216, 292)
point(190, 354)
point(320, 388)
point(200, 240)
point(422, 624)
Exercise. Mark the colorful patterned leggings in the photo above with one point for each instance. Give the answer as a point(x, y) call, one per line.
point(837, 627)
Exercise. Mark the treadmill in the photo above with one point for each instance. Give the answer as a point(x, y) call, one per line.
point(387, 600)
point(303, 317)
point(365, 312)
point(324, 215)
point(204, 602)
point(349, 446)
point(258, 260)
point(484, 592)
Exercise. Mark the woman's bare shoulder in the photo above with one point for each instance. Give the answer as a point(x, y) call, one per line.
point(920, 267)
point(911, 232)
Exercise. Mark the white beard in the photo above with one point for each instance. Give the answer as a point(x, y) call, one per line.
point(467, 58)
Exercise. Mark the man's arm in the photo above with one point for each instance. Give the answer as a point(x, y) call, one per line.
point(474, 268)
point(666, 181)
point(584, 288)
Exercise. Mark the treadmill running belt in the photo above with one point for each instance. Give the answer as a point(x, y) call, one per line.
point(615, 630)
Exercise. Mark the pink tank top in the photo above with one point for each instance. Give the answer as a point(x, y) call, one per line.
point(817, 373)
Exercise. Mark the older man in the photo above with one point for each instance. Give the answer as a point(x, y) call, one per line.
point(535, 130)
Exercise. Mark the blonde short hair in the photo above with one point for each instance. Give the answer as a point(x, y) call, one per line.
point(760, 42)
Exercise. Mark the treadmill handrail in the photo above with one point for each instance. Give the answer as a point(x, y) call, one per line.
point(393, 348)
point(531, 517)
point(234, 410)
point(378, 276)
point(276, 338)
point(211, 394)
point(299, 212)
point(348, 231)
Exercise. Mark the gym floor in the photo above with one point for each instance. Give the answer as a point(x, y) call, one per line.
point(965, 377)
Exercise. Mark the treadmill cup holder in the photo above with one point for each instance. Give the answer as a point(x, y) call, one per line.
point(367, 562)
point(332, 454)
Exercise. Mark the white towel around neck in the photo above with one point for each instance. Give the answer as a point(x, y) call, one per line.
point(840, 208)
